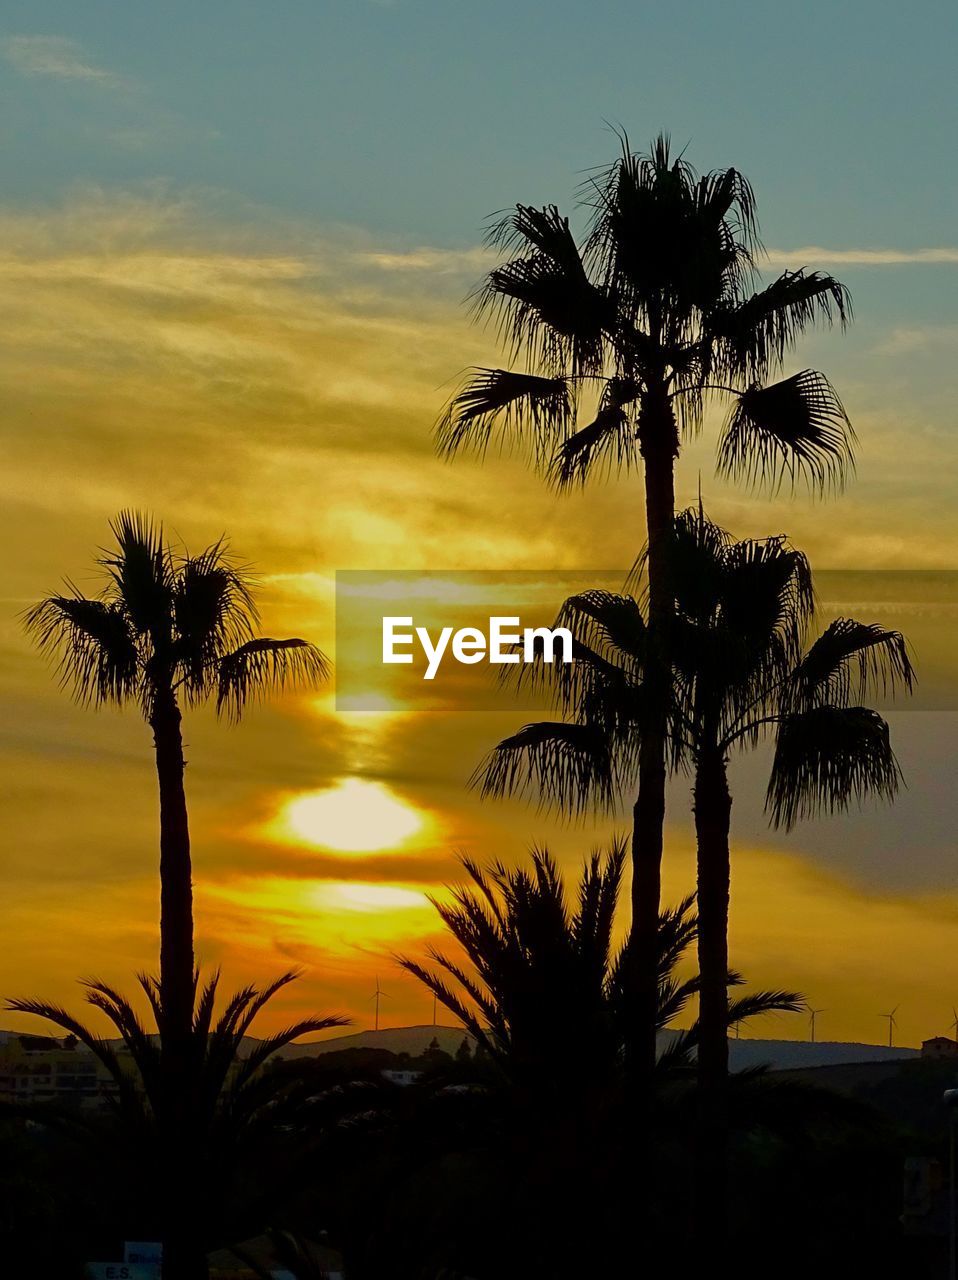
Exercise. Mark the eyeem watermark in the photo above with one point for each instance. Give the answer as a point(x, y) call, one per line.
point(501, 644)
point(455, 642)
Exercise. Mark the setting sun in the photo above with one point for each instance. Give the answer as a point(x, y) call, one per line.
point(355, 816)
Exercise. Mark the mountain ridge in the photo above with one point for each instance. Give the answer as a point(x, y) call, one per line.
point(779, 1055)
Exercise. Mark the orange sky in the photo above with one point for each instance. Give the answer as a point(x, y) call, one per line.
point(281, 386)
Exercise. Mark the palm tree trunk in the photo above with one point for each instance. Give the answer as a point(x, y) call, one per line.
point(183, 1256)
point(713, 810)
point(176, 872)
point(659, 444)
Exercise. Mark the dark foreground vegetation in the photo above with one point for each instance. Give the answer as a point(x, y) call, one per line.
point(455, 1176)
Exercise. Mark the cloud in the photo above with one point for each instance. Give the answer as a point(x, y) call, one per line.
point(138, 121)
point(59, 57)
point(906, 340)
point(475, 259)
point(944, 255)
point(479, 258)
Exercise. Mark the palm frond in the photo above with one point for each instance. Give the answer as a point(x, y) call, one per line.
point(262, 666)
point(848, 660)
point(543, 300)
point(204, 1007)
point(793, 429)
point(92, 643)
point(676, 1057)
point(826, 757)
point(61, 1018)
point(271, 1045)
point(508, 404)
point(767, 590)
point(214, 612)
point(241, 1015)
point(757, 1003)
point(609, 624)
point(678, 927)
point(489, 963)
point(609, 440)
point(567, 765)
point(451, 1002)
point(757, 332)
point(144, 1050)
point(594, 921)
point(151, 989)
point(140, 569)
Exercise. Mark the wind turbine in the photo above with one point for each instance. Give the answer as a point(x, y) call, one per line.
point(812, 1015)
point(954, 1025)
point(892, 1024)
point(377, 995)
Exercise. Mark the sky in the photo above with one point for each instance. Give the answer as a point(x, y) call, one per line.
point(235, 240)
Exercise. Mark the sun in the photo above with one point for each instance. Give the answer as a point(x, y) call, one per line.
point(354, 816)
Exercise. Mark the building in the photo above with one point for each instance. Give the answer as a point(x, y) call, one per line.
point(40, 1069)
point(939, 1047)
point(403, 1078)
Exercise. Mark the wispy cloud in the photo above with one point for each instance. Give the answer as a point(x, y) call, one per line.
point(60, 58)
point(906, 340)
point(478, 258)
point(424, 258)
point(861, 257)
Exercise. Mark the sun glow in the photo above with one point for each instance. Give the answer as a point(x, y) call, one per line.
point(354, 816)
point(362, 897)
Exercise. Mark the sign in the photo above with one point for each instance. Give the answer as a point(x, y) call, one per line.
point(149, 1251)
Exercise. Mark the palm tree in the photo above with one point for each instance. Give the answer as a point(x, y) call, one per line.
point(535, 966)
point(189, 1134)
point(549, 998)
point(742, 669)
point(653, 315)
point(168, 630)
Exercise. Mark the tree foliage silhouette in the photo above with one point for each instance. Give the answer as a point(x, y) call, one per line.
point(653, 315)
point(169, 629)
point(546, 991)
point(191, 1131)
point(743, 668)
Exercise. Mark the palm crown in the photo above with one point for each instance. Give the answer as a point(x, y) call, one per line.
point(743, 668)
point(658, 303)
point(187, 1141)
point(167, 620)
point(533, 963)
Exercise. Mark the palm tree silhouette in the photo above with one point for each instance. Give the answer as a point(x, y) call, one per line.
point(548, 994)
point(742, 666)
point(194, 1132)
point(169, 629)
point(537, 966)
point(651, 317)
point(742, 669)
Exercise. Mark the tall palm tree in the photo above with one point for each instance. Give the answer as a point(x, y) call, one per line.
point(234, 1109)
point(742, 669)
point(168, 630)
point(645, 321)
